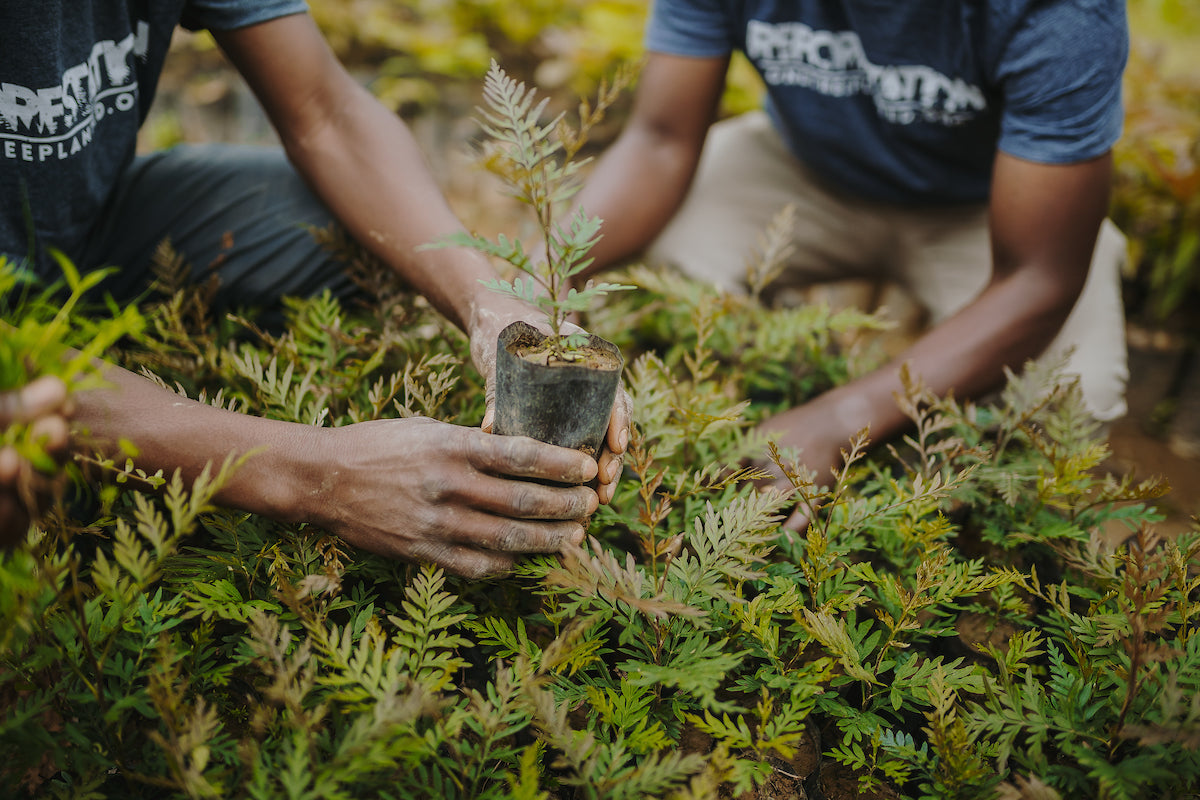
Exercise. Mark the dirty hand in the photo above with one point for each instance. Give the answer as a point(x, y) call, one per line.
point(817, 441)
point(485, 328)
point(43, 405)
point(428, 491)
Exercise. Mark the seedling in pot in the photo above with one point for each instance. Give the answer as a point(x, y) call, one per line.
point(536, 161)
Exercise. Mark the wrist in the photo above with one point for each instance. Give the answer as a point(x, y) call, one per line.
point(290, 479)
point(866, 403)
point(491, 313)
point(849, 411)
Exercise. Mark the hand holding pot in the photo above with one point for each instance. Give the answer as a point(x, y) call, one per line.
point(423, 490)
point(42, 404)
point(487, 323)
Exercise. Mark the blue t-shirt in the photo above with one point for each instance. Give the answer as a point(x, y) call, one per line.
point(907, 102)
point(76, 81)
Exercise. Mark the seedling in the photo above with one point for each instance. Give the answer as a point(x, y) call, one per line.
point(537, 164)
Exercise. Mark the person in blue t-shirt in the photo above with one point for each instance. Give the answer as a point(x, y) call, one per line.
point(960, 149)
point(76, 81)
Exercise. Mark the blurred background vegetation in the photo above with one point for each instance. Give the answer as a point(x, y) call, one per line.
point(1156, 201)
point(426, 59)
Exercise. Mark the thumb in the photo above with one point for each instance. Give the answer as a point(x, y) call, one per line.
point(489, 403)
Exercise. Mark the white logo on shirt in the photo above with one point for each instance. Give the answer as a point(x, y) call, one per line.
point(56, 122)
point(835, 64)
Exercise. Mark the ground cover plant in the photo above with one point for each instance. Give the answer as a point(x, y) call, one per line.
point(978, 610)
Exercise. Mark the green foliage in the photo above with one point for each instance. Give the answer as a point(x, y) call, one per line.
point(956, 622)
point(414, 49)
point(48, 330)
point(1157, 191)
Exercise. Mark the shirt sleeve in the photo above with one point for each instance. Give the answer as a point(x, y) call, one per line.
point(224, 15)
point(699, 28)
point(1062, 82)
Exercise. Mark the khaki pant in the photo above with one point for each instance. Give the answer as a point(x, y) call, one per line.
point(941, 256)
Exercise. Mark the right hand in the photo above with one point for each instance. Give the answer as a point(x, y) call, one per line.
point(486, 323)
point(428, 491)
point(42, 404)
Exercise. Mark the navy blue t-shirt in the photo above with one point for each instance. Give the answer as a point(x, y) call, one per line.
point(76, 81)
point(907, 102)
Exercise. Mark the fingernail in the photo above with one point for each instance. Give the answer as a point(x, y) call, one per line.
point(614, 471)
point(623, 439)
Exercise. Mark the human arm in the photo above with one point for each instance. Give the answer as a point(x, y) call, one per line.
point(43, 405)
point(1043, 221)
point(363, 162)
point(640, 181)
point(414, 489)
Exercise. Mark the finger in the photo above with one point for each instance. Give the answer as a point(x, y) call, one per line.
point(609, 473)
point(520, 456)
point(497, 534)
point(43, 396)
point(618, 422)
point(40, 397)
point(605, 492)
point(12, 407)
point(10, 467)
point(527, 500)
point(433, 547)
point(489, 404)
point(52, 432)
point(466, 562)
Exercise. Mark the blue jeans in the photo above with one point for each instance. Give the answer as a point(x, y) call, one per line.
point(238, 211)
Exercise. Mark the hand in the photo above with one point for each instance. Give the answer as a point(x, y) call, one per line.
point(43, 405)
point(486, 324)
point(818, 440)
point(423, 490)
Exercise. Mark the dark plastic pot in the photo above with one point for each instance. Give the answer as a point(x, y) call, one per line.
point(567, 404)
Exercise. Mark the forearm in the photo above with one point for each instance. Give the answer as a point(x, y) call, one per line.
point(173, 433)
point(366, 166)
point(1011, 322)
point(636, 188)
point(361, 159)
point(1043, 225)
point(639, 183)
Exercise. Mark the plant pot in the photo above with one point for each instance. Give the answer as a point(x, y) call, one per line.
point(567, 403)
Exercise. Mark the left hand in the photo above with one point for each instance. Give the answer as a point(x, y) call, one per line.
point(485, 326)
point(819, 441)
point(44, 406)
